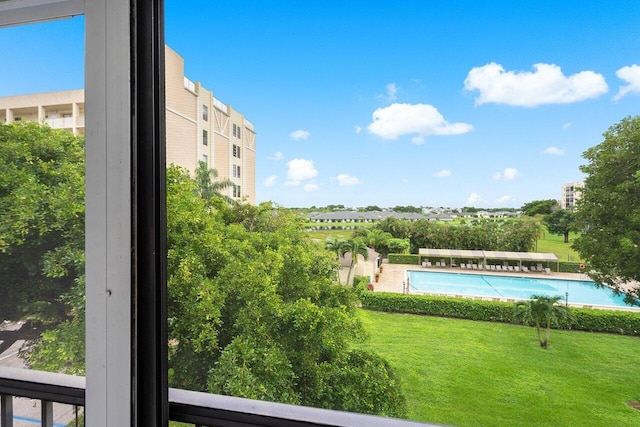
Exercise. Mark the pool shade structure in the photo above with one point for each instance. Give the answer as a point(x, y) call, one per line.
point(486, 255)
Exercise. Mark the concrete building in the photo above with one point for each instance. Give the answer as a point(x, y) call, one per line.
point(199, 126)
point(570, 194)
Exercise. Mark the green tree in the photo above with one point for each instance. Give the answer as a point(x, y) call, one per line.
point(608, 212)
point(335, 247)
point(254, 311)
point(41, 219)
point(209, 186)
point(540, 207)
point(354, 247)
point(562, 222)
point(543, 312)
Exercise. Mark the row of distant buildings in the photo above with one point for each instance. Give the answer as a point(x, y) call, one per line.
point(199, 127)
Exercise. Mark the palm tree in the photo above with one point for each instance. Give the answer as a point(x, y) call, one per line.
point(208, 185)
point(377, 238)
point(354, 247)
point(335, 246)
point(542, 311)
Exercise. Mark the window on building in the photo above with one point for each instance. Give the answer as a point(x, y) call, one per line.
point(205, 159)
point(205, 113)
point(236, 151)
point(236, 171)
point(236, 191)
point(236, 131)
point(205, 137)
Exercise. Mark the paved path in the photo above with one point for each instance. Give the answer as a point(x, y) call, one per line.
point(26, 412)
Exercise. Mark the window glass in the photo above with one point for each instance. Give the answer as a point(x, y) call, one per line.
point(42, 130)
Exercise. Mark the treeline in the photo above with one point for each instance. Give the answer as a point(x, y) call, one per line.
point(517, 235)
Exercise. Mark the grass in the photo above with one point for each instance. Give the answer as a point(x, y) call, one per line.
point(466, 373)
point(553, 243)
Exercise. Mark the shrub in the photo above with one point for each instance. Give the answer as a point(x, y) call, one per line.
point(404, 259)
point(584, 319)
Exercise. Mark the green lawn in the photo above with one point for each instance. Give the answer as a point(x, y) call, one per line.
point(553, 243)
point(466, 373)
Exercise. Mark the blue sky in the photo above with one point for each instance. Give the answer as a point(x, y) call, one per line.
point(428, 103)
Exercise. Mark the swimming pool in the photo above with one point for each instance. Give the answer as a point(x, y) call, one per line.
point(512, 287)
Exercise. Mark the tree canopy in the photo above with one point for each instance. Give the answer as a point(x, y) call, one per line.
point(608, 212)
point(41, 219)
point(254, 306)
point(562, 222)
point(539, 207)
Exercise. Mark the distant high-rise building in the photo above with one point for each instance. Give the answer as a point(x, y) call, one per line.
point(571, 192)
point(199, 126)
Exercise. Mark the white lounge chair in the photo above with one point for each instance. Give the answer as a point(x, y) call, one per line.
point(516, 268)
point(525, 268)
point(498, 267)
point(510, 267)
point(547, 270)
point(474, 266)
point(492, 267)
point(429, 264)
point(463, 266)
point(443, 263)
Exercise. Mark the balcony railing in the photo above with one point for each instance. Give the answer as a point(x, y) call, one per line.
point(199, 409)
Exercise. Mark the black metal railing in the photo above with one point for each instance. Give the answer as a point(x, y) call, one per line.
point(199, 409)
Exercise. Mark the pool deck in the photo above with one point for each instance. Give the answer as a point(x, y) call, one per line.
point(393, 275)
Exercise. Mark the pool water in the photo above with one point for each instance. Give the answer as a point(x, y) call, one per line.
point(512, 287)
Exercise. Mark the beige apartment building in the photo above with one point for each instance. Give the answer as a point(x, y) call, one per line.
point(571, 192)
point(199, 126)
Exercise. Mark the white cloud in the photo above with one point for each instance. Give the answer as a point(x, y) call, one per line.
point(509, 174)
point(631, 75)
point(474, 198)
point(276, 156)
point(421, 119)
point(566, 125)
point(358, 129)
point(270, 181)
point(311, 187)
point(392, 91)
point(345, 180)
point(554, 151)
point(299, 134)
point(545, 85)
point(300, 170)
point(443, 173)
point(504, 199)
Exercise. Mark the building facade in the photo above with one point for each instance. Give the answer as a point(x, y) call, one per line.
point(571, 192)
point(199, 127)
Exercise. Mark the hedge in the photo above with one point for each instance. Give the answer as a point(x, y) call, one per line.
point(413, 259)
point(584, 319)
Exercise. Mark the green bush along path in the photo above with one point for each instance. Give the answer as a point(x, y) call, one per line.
point(471, 373)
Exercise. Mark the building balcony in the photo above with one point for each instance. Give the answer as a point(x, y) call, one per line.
point(62, 123)
point(199, 409)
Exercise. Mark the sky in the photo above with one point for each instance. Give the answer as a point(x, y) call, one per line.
point(406, 102)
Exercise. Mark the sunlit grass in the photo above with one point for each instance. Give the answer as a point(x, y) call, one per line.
point(466, 373)
point(553, 243)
